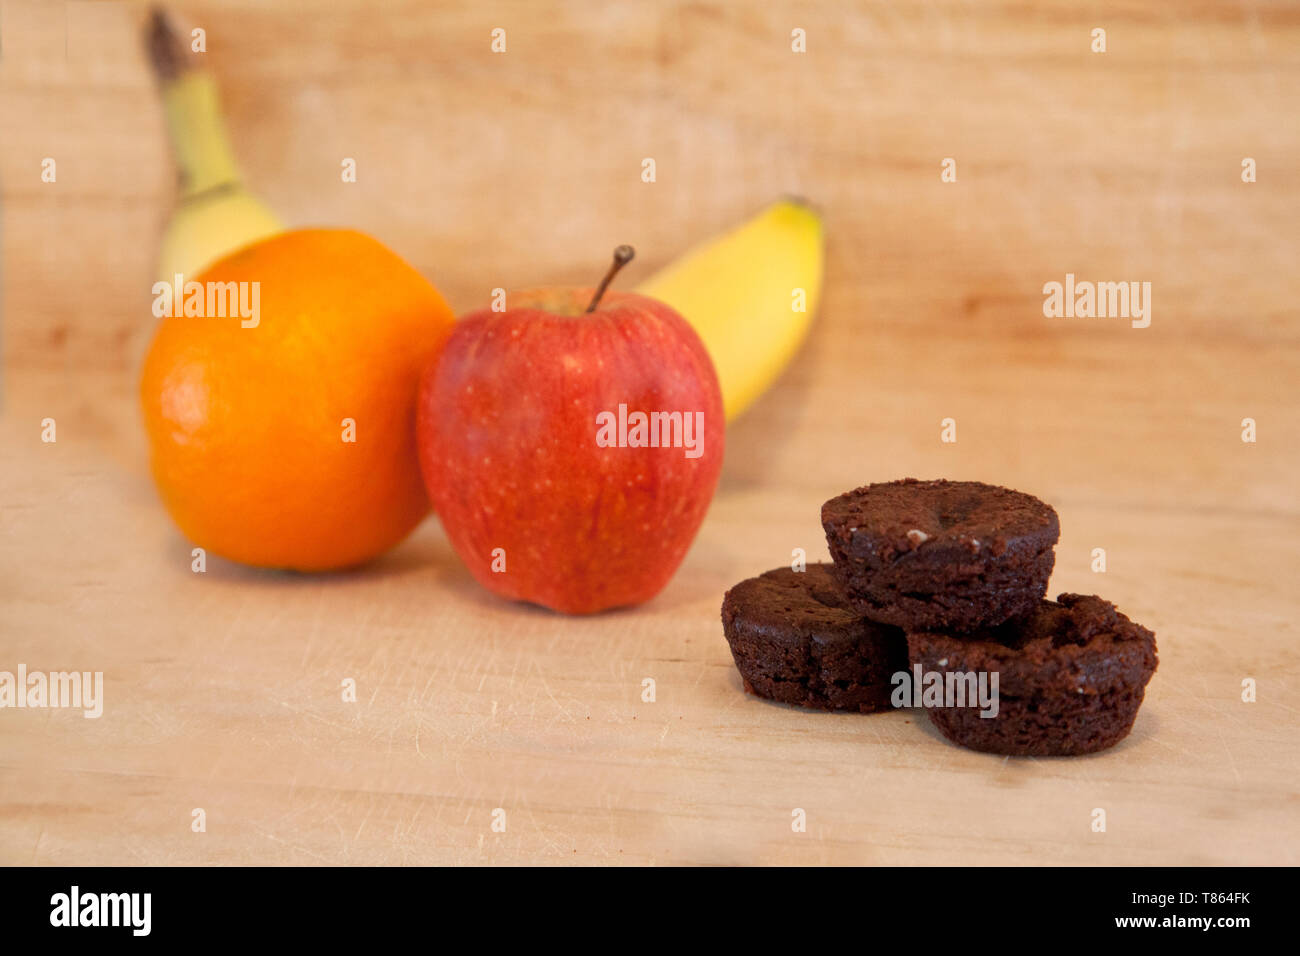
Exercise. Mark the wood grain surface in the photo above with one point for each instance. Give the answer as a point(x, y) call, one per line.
point(222, 689)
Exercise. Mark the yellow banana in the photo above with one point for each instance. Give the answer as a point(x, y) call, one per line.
point(743, 292)
point(214, 214)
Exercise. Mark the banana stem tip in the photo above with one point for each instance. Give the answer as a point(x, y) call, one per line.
point(167, 52)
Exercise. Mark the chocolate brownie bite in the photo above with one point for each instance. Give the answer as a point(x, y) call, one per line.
point(1071, 677)
point(941, 555)
point(796, 640)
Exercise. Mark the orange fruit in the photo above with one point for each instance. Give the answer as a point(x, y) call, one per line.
point(248, 418)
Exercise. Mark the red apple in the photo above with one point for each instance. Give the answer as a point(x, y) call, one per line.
point(571, 444)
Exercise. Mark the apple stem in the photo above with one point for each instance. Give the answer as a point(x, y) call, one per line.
point(622, 256)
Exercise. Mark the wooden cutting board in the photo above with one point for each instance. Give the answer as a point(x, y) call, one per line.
point(222, 689)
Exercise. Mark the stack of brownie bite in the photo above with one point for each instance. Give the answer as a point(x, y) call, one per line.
point(944, 578)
